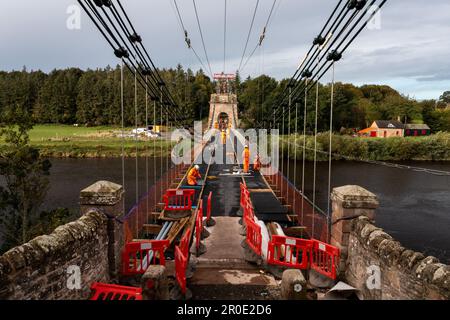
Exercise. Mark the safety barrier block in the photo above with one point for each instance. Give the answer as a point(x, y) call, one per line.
point(199, 225)
point(181, 263)
point(208, 207)
point(289, 252)
point(184, 242)
point(178, 199)
point(253, 236)
point(103, 291)
point(324, 258)
point(137, 256)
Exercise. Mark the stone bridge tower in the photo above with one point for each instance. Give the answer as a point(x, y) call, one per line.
point(223, 110)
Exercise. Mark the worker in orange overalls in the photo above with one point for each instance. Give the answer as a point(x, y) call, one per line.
point(224, 137)
point(257, 164)
point(193, 175)
point(246, 158)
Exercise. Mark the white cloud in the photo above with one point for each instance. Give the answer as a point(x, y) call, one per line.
point(410, 52)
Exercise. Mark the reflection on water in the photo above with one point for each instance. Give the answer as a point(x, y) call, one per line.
point(69, 176)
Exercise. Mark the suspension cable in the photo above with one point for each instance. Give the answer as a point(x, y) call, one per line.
point(261, 37)
point(330, 155)
point(122, 129)
point(249, 33)
point(316, 116)
point(295, 148)
point(201, 36)
point(137, 150)
point(305, 113)
point(359, 9)
point(186, 35)
point(288, 146)
point(147, 185)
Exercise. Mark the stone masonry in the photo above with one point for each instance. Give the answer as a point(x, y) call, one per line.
point(375, 263)
point(64, 264)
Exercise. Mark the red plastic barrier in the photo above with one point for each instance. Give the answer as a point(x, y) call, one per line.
point(184, 242)
point(245, 196)
point(289, 252)
point(248, 211)
point(178, 199)
point(103, 291)
point(208, 207)
point(253, 238)
point(324, 258)
point(199, 225)
point(137, 256)
point(181, 262)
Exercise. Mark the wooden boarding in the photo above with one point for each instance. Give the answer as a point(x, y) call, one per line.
point(176, 228)
point(152, 228)
point(259, 190)
point(165, 217)
point(296, 232)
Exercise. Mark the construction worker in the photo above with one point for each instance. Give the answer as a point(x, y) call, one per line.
point(224, 137)
point(193, 175)
point(216, 125)
point(246, 158)
point(257, 164)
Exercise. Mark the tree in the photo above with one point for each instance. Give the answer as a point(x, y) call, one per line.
point(445, 98)
point(25, 174)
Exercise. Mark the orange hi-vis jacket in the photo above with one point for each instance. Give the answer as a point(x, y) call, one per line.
point(246, 159)
point(224, 137)
point(192, 177)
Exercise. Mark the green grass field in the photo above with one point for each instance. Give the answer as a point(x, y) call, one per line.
point(82, 142)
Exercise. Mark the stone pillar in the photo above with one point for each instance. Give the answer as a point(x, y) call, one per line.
point(348, 203)
point(155, 284)
point(107, 198)
point(293, 285)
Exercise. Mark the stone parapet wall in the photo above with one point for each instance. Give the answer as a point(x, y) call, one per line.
point(375, 263)
point(47, 266)
point(403, 273)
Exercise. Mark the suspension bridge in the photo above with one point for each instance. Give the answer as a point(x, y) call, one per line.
point(234, 223)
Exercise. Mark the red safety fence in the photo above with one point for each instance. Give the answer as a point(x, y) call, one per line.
point(245, 195)
point(178, 199)
point(137, 256)
point(139, 214)
point(103, 291)
point(208, 207)
point(253, 237)
point(324, 259)
point(289, 252)
point(199, 224)
point(184, 242)
point(181, 260)
point(315, 220)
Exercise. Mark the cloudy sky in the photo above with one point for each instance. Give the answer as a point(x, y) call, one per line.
point(411, 51)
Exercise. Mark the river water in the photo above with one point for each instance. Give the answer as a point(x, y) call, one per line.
point(414, 206)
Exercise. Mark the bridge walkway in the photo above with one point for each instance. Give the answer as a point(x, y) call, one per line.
point(222, 272)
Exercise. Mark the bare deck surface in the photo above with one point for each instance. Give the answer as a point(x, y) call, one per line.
point(223, 273)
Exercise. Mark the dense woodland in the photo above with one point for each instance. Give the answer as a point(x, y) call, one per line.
point(92, 97)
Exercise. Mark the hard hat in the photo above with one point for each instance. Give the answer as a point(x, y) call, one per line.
point(246, 146)
point(197, 167)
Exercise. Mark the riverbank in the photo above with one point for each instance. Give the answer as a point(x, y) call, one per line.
point(63, 141)
point(432, 148)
